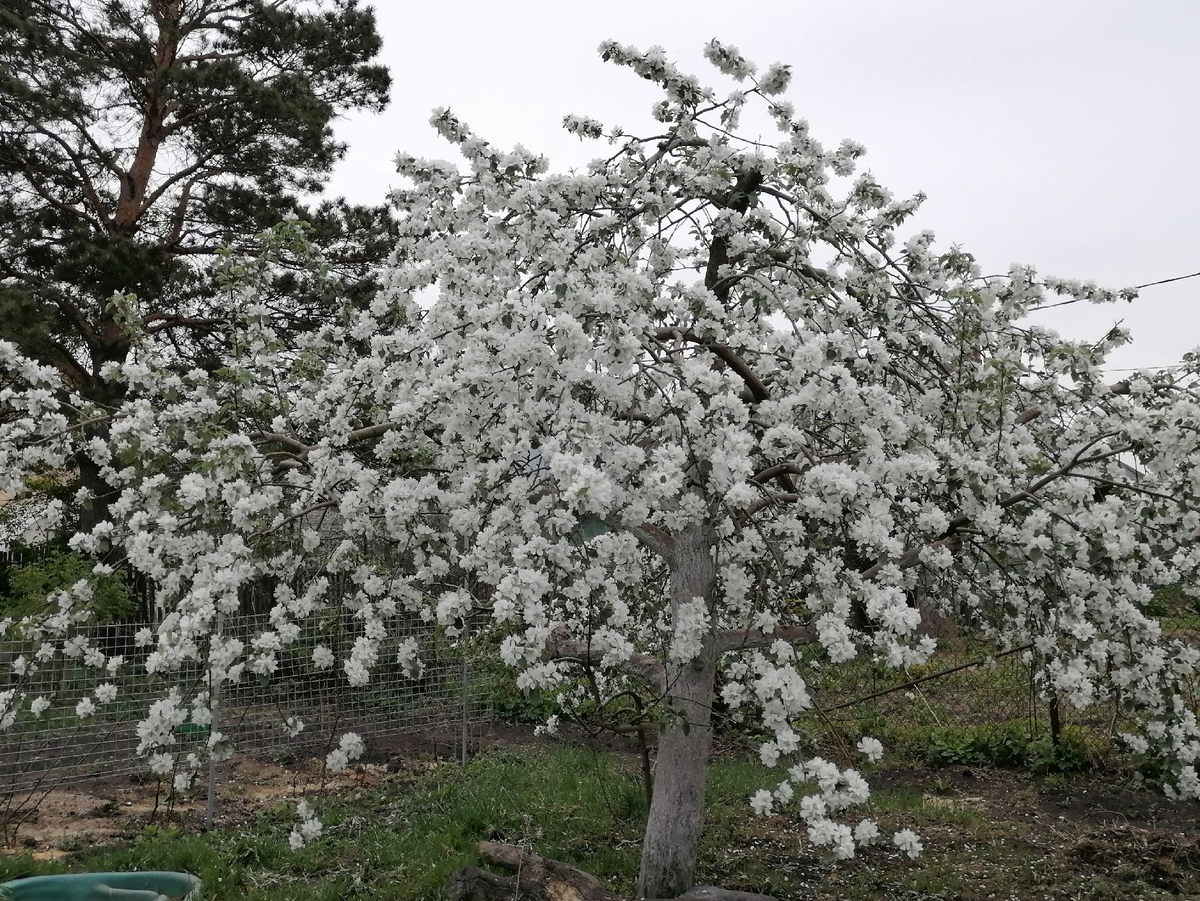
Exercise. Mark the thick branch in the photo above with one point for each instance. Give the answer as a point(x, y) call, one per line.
point(785, 497)
point(747, 639)
point(299, 448)
point(368, 432)
point(538, 878)
point(651, 538)
point(723, 352)
point(789, 468)
point(642, 665)
point(160, 322)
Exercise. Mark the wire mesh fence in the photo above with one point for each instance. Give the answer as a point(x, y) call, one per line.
point(970, 682)
point(60, 748)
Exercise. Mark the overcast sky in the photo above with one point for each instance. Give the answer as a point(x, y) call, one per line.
point(1060, 133)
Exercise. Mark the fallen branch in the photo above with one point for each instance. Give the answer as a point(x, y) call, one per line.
point(538, 878)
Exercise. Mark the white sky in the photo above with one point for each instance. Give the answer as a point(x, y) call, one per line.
point(1059, 133)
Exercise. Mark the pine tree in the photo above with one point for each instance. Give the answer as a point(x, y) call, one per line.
point(139, 137)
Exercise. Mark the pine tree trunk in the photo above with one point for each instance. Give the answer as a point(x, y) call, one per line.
point(676, 818)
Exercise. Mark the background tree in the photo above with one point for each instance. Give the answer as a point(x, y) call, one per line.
point(698, 408)
point(138, 137)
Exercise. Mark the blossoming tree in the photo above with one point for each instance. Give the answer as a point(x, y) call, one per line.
point(699, 407)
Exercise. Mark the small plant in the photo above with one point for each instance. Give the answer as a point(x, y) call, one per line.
point(1073, 751)
point(1008, 746)
point(949, 747)
point(511, 705)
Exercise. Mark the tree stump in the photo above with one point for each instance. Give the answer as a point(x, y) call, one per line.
point(537, 878)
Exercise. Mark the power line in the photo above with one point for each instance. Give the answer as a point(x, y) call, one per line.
point(1165, 281)
point(1140, 368)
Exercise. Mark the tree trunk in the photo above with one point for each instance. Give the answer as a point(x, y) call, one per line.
point(676, 818)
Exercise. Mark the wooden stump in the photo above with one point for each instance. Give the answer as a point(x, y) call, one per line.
point(537, 878)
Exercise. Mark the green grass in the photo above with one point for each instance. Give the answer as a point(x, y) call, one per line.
point(404, 839)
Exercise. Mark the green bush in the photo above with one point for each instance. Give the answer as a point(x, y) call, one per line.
point(1002, 745)
point(29, 584)
point(511, 705)
point(948, 747)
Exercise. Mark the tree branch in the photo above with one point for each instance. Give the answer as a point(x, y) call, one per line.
point(299, 448)
point(650, 537)
point(368, 432)
point(725, 353)
point(641, 665)
point(164, 321)
point(746, 639)
point(913, 555)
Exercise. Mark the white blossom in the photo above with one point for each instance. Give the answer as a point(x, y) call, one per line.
point(762, 802)
point(106, 693)
point(871, 748)
point(776, 79)
point(322, 657)
point(906, 840)
point(349, 749)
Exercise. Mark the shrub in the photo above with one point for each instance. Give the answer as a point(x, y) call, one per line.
point(30, 583)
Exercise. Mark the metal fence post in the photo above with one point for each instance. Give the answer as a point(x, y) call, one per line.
point(466, 694)
point(214, 701)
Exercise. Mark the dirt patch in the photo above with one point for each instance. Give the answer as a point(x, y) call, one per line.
point(68, 819)
point(1103, 804)
point(1088, 800)
point(994, 834)
point(1163, 860)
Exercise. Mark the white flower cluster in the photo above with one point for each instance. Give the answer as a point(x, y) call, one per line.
point(871, 748)
point(308, 829)
point(407, 655)
point(836, 790)
point(349, 749)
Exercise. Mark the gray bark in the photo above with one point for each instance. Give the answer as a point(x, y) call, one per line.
point(676, 818)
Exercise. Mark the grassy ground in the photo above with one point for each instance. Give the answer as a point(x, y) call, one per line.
point(989, 834)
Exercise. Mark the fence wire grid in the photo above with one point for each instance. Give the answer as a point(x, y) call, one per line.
point(59, 748)
point(968, 683)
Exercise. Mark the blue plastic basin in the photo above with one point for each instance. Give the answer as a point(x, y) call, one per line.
point(103, 887)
